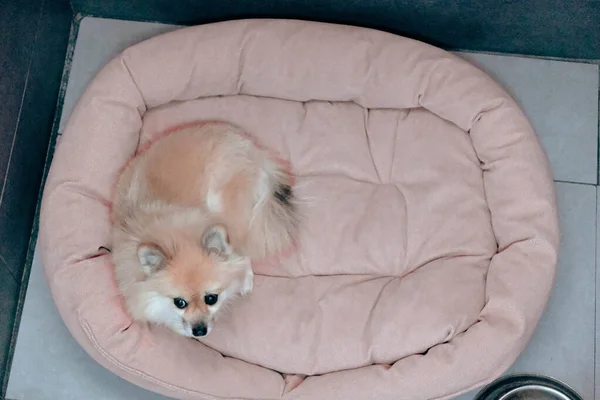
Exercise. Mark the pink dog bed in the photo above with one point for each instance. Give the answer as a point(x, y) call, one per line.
point(429, 241)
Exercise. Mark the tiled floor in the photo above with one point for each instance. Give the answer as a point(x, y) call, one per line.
point(33, 39)
point(560, 98)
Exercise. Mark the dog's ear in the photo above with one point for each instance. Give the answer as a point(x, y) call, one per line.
point(216, 242)
point(152, 258)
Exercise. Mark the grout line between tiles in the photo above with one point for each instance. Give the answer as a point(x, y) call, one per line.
point(598, 132)
point(34, 232)
point(4, 263)
point(517, 55)
point(576, 183)
point(596, 335)
point(3, 260)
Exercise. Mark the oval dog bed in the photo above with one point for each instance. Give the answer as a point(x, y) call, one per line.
point(429, 236)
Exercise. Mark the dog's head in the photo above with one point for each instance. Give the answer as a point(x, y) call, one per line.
point(188, 280)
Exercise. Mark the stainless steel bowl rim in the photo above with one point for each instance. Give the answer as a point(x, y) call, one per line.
point(538, 389)
point(509, 385)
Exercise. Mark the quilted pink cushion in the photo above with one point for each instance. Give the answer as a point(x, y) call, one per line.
point(429, 241)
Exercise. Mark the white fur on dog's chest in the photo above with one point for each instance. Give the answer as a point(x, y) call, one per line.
point(214, 201)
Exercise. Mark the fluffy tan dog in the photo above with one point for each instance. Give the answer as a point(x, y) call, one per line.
point(189, 213)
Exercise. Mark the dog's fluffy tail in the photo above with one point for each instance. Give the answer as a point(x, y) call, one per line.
point(274, 221)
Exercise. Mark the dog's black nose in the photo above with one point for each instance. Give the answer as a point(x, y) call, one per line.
point(200, 330)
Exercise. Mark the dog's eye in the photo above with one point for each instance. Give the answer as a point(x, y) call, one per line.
point(211, 299)
point(180, 303)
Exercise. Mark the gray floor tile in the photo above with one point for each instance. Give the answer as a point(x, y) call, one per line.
point(67, 373)
point(563, 344)
point(597, 347)
point(98, 41)
point(9, 296)
point(561, 101)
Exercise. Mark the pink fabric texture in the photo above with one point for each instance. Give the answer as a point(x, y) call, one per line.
point(429, 236)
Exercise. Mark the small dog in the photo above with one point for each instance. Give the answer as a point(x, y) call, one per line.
point(189, 214)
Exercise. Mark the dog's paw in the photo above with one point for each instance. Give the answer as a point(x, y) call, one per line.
point(248, 284)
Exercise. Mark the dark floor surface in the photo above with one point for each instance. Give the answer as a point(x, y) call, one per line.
point(33, 42)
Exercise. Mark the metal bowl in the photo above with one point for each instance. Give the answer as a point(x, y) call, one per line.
point(527, 387)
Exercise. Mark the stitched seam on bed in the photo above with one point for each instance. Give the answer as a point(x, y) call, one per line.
point(88, 331)
point(366, 116)
point(123, 62)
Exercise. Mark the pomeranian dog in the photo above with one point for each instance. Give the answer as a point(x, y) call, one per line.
point(189, 214)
